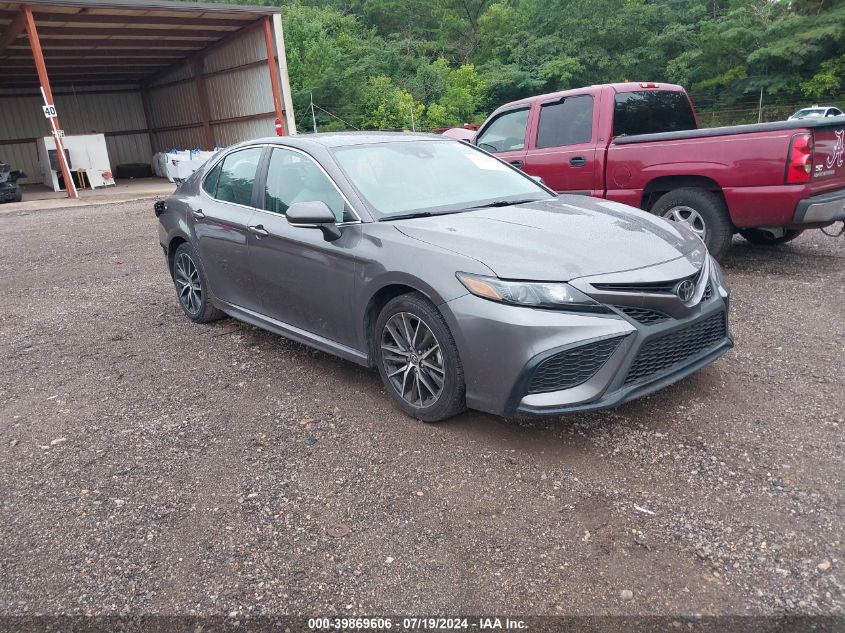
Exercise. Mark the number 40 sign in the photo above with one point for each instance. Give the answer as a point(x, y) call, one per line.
point(49, 111)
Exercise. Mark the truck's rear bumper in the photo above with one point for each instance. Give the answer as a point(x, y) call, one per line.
point(783, 205)
point(825, 207)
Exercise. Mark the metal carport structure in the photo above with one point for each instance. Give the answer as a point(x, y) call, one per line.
point(149, 75)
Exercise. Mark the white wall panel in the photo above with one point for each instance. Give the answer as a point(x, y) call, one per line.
point(174, 105)
point(242, 50)
point(226, 134)
point(240, 93)
point(129, 148)
point(186, 139)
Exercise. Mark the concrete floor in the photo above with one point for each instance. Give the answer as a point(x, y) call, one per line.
point(39, 197)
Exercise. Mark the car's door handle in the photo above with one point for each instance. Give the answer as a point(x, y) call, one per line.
point(259, 230)
point(577, 161)
point(517, 163)
point(198, 214)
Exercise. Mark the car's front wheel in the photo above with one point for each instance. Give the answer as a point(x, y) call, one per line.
point(418, 360)
point(192, 286)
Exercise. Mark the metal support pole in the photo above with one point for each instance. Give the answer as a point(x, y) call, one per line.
point(275, 84)
point(46, 91)
point(198, 67)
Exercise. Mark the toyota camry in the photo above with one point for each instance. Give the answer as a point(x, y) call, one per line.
point(463, 281)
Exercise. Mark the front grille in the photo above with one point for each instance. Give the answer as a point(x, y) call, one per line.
point(573, 367)
point(643, 315)
point(660, 287)
point(674, 348)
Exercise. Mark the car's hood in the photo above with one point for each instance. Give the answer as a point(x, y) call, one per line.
point(557, 240)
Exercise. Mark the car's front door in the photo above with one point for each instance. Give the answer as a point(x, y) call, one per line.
point(220, 217)
point(564, 152)
point(505, 135)
point(304, 281)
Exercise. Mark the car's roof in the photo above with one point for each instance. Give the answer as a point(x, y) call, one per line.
point(627, 86)
point(345, 139)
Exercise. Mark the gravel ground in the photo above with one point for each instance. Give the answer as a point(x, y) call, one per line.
point(150, 465)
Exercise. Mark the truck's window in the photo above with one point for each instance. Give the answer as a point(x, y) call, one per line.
point(651, 111)
point(566, 122)
point(505, 133)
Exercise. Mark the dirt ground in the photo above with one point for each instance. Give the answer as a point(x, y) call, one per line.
point(150, 465)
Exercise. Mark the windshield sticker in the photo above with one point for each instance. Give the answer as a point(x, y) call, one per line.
point(486, 162)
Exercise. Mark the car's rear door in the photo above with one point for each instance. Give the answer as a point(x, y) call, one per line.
point(563, 153)
point(505, 135)
point(219, 220)
point(304, 281)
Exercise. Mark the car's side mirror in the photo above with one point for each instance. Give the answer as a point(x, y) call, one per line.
point(314, 215)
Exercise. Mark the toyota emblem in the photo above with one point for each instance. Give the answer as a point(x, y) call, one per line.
point(685, 290)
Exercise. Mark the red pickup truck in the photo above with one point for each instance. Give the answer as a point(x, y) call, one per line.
point(639, 143)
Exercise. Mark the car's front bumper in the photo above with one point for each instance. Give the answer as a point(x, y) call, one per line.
point(502, 346)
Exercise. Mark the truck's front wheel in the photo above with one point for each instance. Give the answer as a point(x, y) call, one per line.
point(702, 211)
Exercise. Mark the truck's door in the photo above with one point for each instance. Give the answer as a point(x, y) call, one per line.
point(563, 153)
point(505, 135)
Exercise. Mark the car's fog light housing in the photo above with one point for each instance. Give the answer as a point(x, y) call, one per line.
point(534, 294)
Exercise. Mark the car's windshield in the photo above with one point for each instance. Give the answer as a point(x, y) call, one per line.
point(406, 177)
point(809, 113)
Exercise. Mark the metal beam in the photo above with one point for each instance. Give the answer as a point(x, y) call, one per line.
point(94, 61)
point(202, 93)
point(41, 69)
point(274, 70)
point(145, 44)
point(96, 18)
point(12, 30)
point(47, 32)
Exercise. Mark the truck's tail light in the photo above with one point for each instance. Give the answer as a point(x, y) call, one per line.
point(800, 164)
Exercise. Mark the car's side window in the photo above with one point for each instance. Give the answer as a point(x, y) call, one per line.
point(505, 133)
point(237, 176)
point(294, 177)
point(567, 122)
point(209, 185)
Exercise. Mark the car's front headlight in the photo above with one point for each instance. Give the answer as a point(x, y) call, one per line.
point(535, 294)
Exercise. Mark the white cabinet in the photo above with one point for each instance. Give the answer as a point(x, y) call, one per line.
point(88, 155)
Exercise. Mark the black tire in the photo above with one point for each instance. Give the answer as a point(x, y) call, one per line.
point(440, 348)
point(193, 299)
point(718, 230)
point(18, 196)
point(764, 238)
point(133, 170)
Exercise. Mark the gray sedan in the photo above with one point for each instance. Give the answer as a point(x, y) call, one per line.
point(462, 280)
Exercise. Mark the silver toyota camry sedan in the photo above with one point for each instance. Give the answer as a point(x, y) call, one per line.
point(465, 282)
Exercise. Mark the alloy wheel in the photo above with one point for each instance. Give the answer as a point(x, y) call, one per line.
point(412, 359)
point(690, 217)
point(187, 278)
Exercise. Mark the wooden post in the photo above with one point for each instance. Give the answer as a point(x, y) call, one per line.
point(287, 100)
point(275, 85)
point(44, 79)
point(198, 66)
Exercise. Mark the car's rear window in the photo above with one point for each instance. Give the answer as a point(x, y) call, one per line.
point(651, 111)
